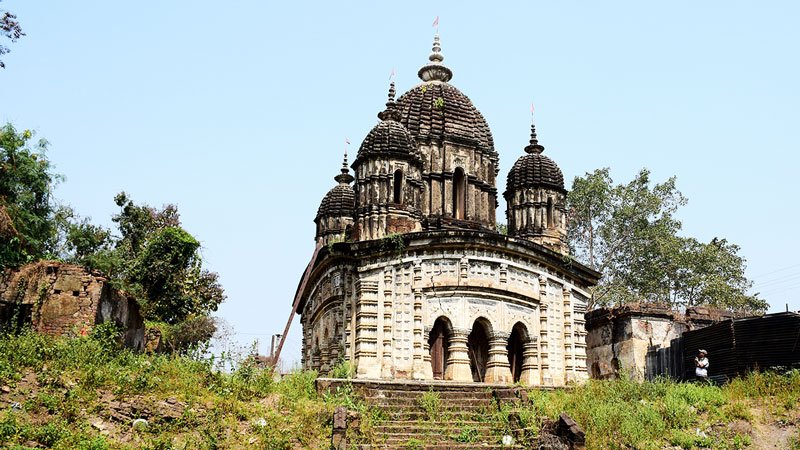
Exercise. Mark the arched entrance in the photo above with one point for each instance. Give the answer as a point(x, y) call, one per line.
point(478, 349)
point(438, 341)
point(519, 335)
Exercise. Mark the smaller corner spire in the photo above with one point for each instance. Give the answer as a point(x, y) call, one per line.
point(533, 146)
point(435, 70)
point(391, 112)
point(344, 177)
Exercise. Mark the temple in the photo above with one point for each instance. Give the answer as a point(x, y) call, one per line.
point(411, 278)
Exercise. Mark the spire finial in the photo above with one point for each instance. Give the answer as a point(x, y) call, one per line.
point(435, 70)
point(344, 177)
point(534, 146)
point(391, 112)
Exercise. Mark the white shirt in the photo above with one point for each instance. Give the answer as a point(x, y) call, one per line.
point(701, 369)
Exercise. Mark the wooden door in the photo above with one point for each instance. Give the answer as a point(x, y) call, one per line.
point(438, 342)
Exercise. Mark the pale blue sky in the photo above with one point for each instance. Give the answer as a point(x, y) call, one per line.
point(237, 112)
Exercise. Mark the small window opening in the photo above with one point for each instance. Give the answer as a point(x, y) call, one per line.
point(459, 194)
point(398, 186)
point(549, 213)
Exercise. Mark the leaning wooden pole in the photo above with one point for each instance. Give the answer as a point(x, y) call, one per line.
point(297, 296)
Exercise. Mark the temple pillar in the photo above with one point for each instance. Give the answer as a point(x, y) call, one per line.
point(387, 367)
point(497, 368)
point(530, 364)
point(458, 358)
point(367, 330)
point(421, 370)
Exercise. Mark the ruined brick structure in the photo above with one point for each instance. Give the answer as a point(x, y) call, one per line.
point(620, 338)
point(61, 299)
point(411, 279)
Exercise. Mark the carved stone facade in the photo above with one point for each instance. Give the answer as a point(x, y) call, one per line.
point(418, 283)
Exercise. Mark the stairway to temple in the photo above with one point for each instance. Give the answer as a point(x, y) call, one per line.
point(429, 415)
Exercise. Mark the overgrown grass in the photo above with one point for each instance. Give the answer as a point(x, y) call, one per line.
point(652, 415)
point(67, 388)
point(65, 393)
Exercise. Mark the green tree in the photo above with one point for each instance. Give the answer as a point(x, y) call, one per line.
point(157, 261)
point(629, 233)
point(27, 226)
point(9, 28)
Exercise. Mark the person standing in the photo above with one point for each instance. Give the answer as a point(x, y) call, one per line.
point(701, 365)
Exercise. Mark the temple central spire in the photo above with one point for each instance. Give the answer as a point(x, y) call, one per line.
point(435, 70)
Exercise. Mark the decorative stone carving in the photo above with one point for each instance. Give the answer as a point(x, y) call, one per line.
point(414, 239)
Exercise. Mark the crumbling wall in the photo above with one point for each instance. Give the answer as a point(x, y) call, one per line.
point(618, 339)
point(61, 299)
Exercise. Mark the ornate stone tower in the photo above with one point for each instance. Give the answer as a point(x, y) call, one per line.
point(388, 185)
point(335, 213)
point(454, 141)
point(537, 199)
point(447, 297)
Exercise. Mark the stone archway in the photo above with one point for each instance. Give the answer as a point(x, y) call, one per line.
point(478, 348)
point(516, 343)
point(439, 342)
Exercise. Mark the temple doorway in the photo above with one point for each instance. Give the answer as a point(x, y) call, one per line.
point(438, 341)
point(515, 342)
point(478, 349)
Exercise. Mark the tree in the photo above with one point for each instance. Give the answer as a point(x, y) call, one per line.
point(629, 233)
point(159, 262)
point(10, 28)
point(27, 225)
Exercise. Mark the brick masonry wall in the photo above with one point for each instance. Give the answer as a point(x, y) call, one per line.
point(68, 300)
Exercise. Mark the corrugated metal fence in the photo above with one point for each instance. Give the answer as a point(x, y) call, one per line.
point(735, 347)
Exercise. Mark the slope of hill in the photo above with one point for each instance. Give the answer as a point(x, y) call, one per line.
point(85, 393)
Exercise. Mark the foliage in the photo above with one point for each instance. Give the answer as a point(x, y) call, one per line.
point(343, 369)
point(155, 260)
point(467, 435)
point(185, 336)
point(414, 444)
point(69, 383)
point(27, 228)
point(502, 228)
point(629, 233)
point(628, 414)
point(431, 404)
point(393, 241)
point(81, 241)
point(9, 28)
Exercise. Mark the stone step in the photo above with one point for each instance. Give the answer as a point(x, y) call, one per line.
point(414, 424)
point(446, 395)
point(410, 403)
point(367, 386)
point(440, 446)
point(450, 416)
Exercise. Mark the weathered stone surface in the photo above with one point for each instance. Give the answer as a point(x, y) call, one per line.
point(62, 299)
point(618, 339)
point(417, 283)
point(379, 316)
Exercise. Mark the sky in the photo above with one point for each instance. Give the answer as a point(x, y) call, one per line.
point(238, 112)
